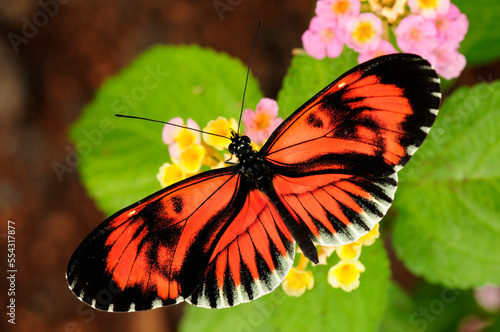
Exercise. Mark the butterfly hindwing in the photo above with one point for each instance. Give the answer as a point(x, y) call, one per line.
point(252, 257)
point(336, 208)
point(368, 122)
point(155, 252)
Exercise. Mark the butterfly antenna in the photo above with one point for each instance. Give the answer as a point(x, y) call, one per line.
point(248, 72)
point(168, 123)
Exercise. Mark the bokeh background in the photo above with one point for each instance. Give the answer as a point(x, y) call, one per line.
point(47, 80)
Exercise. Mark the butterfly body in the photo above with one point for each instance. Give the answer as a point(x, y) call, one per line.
point(250, 162)
point(258, 175)
point(325, 176)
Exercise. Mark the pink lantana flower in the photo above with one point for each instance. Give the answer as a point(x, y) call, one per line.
point(447, 61)
point(415, 34)
point(364, 32)
point(429, 8)
point(339, 10)
point(488, 297)
point(451, 26)
point(177, 138)
point(323, 38)
point(383, 48)
point(260, 124)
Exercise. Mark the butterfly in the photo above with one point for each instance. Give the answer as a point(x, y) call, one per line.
point(227, 236)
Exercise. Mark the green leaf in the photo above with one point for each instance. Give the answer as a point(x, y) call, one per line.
point(400, 308)
point(119, 158)
point(448, 204)
point(482, 42)
point(440, 309)
point(427, 308)
point(322, 308)
point(495, 325)
point(307, 76)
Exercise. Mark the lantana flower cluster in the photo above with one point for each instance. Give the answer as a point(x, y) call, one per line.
point(190, 150)
point(432, 29)
point(345, 274)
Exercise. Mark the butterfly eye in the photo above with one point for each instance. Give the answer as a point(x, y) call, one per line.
point(231, 148)
point(245, 140)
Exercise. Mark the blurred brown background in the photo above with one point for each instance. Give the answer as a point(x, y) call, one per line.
point(46, 79)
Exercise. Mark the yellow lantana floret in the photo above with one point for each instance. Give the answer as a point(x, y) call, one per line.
point(186, 138)
point(169, 174)
point(222, 127)
point(349, 251)
point(296, 282)
point(191, 158)
point(345, 275)
point(369, 238)
point(323, 253)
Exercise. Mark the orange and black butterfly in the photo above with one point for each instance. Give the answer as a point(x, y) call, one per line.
point(325, 176)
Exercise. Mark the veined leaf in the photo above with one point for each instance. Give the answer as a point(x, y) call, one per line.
point(448, 203)
point(119, 158)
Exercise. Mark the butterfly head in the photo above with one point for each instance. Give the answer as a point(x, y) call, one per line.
point(240, 146)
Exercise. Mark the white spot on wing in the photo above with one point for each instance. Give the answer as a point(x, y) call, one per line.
point(426, 67)
point(352, 231)
point(435, 80)
point(411, 149)
point(341, 85)
point(433, 111)
point(338, 238)
point(202, 300)
point(397, 168)
point(259, 287)
point(374, 218)
point(278, 279)
point(240, 295)
point(111, 307)
point(425, 129)
point(368, 219)
point(222, 297)
point(93, 303)
point(132, 307)
point(437, 94)
point(156, 303)
point(82, 293)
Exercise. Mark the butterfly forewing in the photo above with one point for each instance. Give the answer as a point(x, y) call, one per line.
point(368, 122)
point(335, 159)
point(155, 252)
